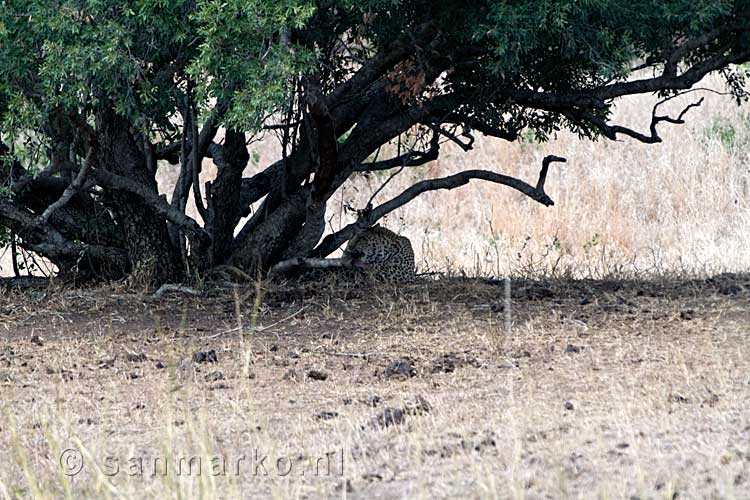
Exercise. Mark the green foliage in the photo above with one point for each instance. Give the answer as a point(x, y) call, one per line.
point(143, 56)
point(137, 55)
point(722, 132)
point(238, 60)
point(538, 45)
point(528, 136)
point(591, 244)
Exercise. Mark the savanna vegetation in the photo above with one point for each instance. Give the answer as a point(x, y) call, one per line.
point(94, 95)
point(596, 348)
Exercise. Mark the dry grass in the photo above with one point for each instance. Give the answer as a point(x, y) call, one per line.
point(600, 389)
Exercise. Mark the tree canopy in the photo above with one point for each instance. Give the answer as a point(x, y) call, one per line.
point(93, 94)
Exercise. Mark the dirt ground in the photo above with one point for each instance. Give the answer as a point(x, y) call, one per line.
point(584, 389)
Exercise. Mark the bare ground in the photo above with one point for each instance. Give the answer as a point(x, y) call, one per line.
point(598, 389)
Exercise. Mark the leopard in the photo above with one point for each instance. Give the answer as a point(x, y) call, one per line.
point(383, 255)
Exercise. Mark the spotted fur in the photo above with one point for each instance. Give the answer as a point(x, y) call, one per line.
point(383, 254)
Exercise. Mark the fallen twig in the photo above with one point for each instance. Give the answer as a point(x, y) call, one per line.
point(257, 329)
point(169, 287)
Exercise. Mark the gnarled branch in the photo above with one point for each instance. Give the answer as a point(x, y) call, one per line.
point(288, 265)
point(76, 185)
point(335, 240)
point(197, 155)
point(466, 146)
point(408, 159)
point(156, 202)
point(610, 131)
point(597, 98)
point(205, 138)
point(43, 238)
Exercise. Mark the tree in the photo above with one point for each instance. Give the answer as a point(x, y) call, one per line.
point(93, 94)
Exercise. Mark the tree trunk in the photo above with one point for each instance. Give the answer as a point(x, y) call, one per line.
point(149, 247)
point(224, 194)
point(265, 245)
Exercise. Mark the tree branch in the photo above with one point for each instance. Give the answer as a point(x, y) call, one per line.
point(44, 239)
point(409, 159)
point(466, 146)
point(205, 138)
point(18, 176)
point(333, 241)
point(472, 123)
point(611, 131)
point(169, 152)
point(543, 173)
point(323, 139)
point(596, 98)
point(197, 157)
point(76, 185)
point(670, 67)
point(156, 202)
